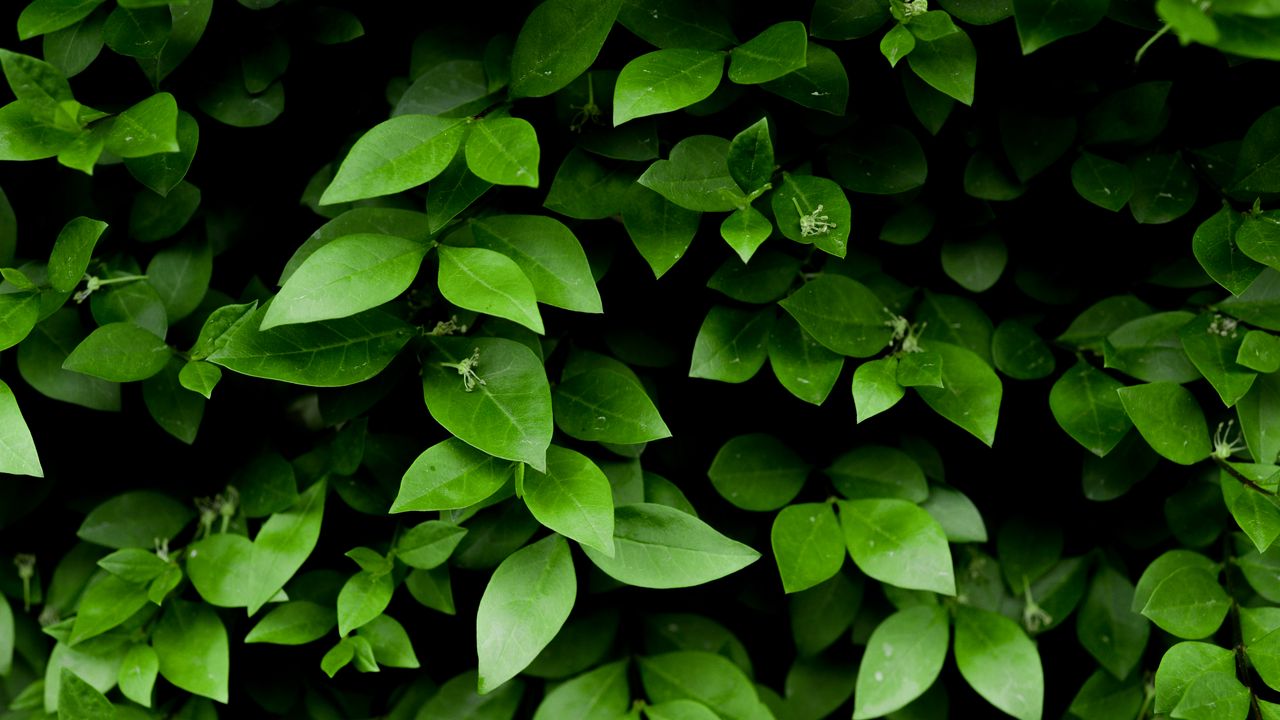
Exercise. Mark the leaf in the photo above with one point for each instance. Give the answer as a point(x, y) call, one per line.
point(971, 392)
point(1258, 165)
point(947, 63)
point(1102, 696)
point(200, 377)
point(488, 282)
point(803, 366)
point(389, 642)
point(808, 545)
point(138, 32)
point(813, 210)
point(875, 387)
point(46, 16)
point(1212, 696)
point(1086, 406)
point(119, 352)
point(586, 190)
point(134, 520)
point(601, 693)
point(573, 497)
point(751, 156)
point(875, 471)
point(558, 42)
point(508, 414)
point(664, 81)
point(405, 224)
point(1019, 352)
point(148, 128)
point(191, 644)
point(180, 276)
point(453, 191)
point(19, 313)
point(605, 405)
point(704, 677)
point(138, 673)
point(106, 604)
point(822, 84)
point(1149, 348)
point(134, 565)
point(1212, 342)
point(162, 172)
point(41, 90)
point(19, 456)
point(840, 20)
point(842, 314)
point(1214, 245)
point(1189, 603)
point(660, 547)
point(78, 700)
point(1106, 626)
point(72, 251)
point(776, 51)
point(429, 544)
point(329, 353)
point(661, 230)
point(1259, 351)
point(363, 597)
point(450, 475)
point(975, 264)
point(696, 176)
point(351, 274)
point(548, 253)
point(998, 660)
point(956, 513)
point(896, 542)
point(1164, 188)
point(395, 155)
point(732, 344)
point(903, 658)
point(745, 230)
point(897, 44)
point(1040, 22)
point(757, 472)
point(1105, 183)
point(1182, 665)
point(503, 151)
point(296, 622)
point(524, 605)
point(884, 160)
point(1169, 419)
point(676, 24)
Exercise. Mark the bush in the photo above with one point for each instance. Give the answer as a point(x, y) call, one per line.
point(498, 358)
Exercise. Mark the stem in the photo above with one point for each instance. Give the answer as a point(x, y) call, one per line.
point(1142, 50)
point(122, 278)
point(1226, 467)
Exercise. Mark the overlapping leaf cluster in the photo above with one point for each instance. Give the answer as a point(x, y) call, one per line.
point(520, 355)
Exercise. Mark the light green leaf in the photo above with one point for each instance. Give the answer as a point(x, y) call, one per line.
point(119, 352)
point(429, 544)
point(72, 251)
point(808, 545)
point(745, 230)
point(398, 154)
point(999, 661)
point(106, 603)
point(1189, 603)
point(956, 513)
point(503, 151)
point(138, 673)
point(558, 42)
point(148, 128)
point(696, 176)
point(656, 546)
point(134, 565)
point(897, 44)
point(549, 254)
point(606, 405)
point(813, 210)
point(600, 694)
point(488, 282)
point(344, 277)
point(904, 656)
point(296, 622)
point(505, 411)
point(875, 387)
point(405, 224)
point(389, 642)
point(363, 597)
point(842, 314)
point(200, 377)
point(1169, 419)
point(524, 605)
point(78, 700)
point(971, 392)
point(45, 16)
point(665, 81)
point(1214, 696)
point(1086, 406)
point(757, 472)
point(896, 542)
point(776, 51)
point(573, 498)
point(704, 677)
point(450, 475)
point(191, 644)
point(1182, 665)
point(19, 456)
point(732, 344)
point(19, 313)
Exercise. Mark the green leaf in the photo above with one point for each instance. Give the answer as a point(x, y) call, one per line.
point(1259, 237)
point(1182, 665)
point(19, 456)
point(134, 520)
point(134, 565)
point(745, 230)
point(363, 597)
point(766, 279)
point(106, 603)
point(804, 367)
point(808, 545)
point(757, 472)
point(904, 656)
point(1040, 22)
point(677, 24)
point(72, 251)
point(598, 694)
point(660, 547)
point(751, 156)
point(1259, 351)
point(40, 359)
point(661, 230)
point(898, 543)
point(19, 313)
point(1214, 696)
point(586, 190)
point(704, 677)
point(524, 605)
point(45, 16)
point(453, 191)
point(451, 475)
point(971, 392)
point(163, 171)
point(200, 377)
point(296, 622)
point(398, 154)
point(975, 264)
point(503, 151)
point(558, 42)
point(429, 544)
point(875, 387)
point(148, 128)
point(119, 352)
point(389, 642)
point(947, 63)
point(842, 314)
point(1105, 183)
point(78, 700)
point(999, 661)
point(24, 137)
point(665, 81)
point(191, 644)
point(548, 253)
point(329, 353)
point(405, 224)
point(1103, 697)
point(1214, 245)
point(1019, 352)
point(180, 276)
point(488, 282)
point(609, 406)
point(1086, 406)
point(956, 513)
point(153, 218)
point(822, 84)
point(138, 673)
point(1169, 419)
point(508, 414)
point(41, 90)
point(813, 210)
point(696, 176)
point(732, 344)
point(1106, 626)
point(776, 51)
point(897, 44)
point(1164, 188)
point(573, 498)
point(1257, 513)
point(1212, 342)
point(351, 274)
point(138, 33)
point(884, 160)
point(1149, 348)
point(842, 20)
point(1189, 603)
point(1258, 165)
point(875, 471)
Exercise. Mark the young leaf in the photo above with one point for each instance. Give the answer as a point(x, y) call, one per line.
point(660, 547)
point(757, 472)
point(745, 230)
point(296, 622)
point(1169, 419)
point(999, 661)
point(191, 644)
point(488, 282)
point(751, 156)
point(664, 81)
point(776, 51)
point(19, 456)
point(904, 656)
point(503, 151)
point(389, 642)
point(875, 387)
point(138, 673)
point(842, 314)
point(896, 542)
point(808, 545)
point(573, 497)
point(363, 597)
point(523, 607)
point(548, 253)
point(503, 407)
point(344, 277)
point(558, 42)
point(398, 154)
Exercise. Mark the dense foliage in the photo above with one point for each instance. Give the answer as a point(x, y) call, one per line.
point(430, 339)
